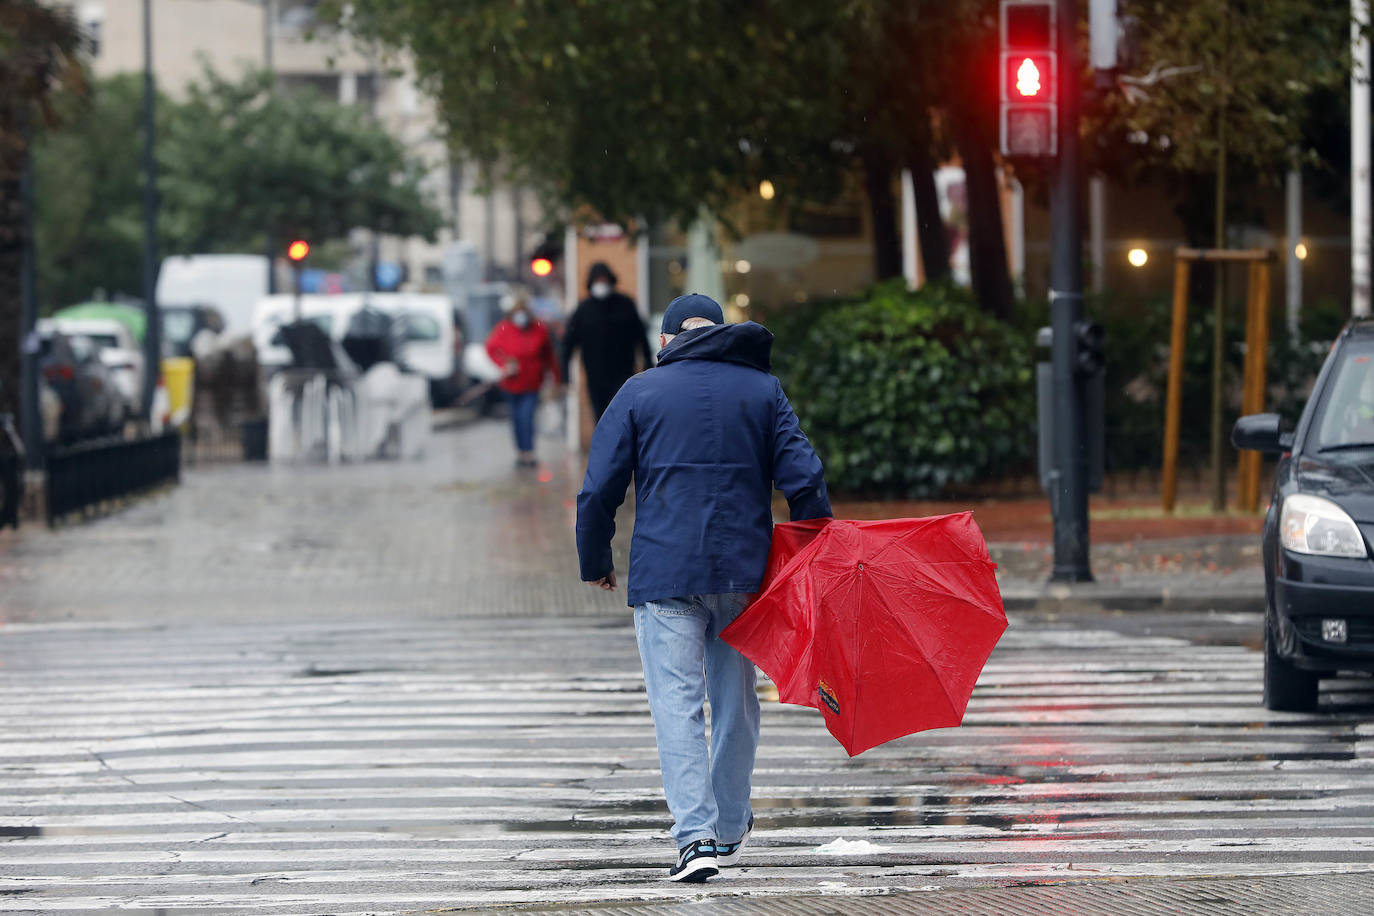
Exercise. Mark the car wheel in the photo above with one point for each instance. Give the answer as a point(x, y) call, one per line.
point(1287, 687)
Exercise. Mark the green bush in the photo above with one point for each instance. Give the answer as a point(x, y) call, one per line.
point(904, 393)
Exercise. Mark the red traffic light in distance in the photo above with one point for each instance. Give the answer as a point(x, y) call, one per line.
point(541, 267)
point(297, 250)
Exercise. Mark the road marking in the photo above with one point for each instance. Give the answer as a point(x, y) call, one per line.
point(363, 767)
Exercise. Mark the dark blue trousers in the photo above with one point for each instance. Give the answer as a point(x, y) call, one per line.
point(522, 418)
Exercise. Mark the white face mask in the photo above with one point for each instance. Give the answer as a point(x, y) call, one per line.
point(521, 319)
point(601, 289)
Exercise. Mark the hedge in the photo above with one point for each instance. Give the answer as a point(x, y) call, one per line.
point(905, 393)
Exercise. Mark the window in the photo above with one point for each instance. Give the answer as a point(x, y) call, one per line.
point(421, 327)
point(92, 19)
point(1347, 411)
point(326, 84)
point(178, 325)
point(295, 17)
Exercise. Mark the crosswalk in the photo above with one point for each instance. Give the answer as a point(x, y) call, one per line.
point(393, 766)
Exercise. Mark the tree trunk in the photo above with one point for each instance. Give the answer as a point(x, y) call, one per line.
point(11, 269)
point(987, 245)
point(887, 240)
point(930, 226)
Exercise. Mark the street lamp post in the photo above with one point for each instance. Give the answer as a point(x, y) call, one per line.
point(152, 335)
point(269, 15)
point(31, 423)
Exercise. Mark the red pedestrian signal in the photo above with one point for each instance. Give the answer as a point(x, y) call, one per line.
point(297, 250)
point(541, 267)
point(1029, 99)
point(1028, 78)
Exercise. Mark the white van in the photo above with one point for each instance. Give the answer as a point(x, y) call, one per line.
point(231, 283)
point(429, 330)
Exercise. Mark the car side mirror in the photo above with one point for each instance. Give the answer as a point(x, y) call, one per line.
point(1261, 432)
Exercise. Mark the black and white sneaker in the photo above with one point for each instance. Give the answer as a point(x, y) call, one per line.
point(729, 853)
point(695, 862)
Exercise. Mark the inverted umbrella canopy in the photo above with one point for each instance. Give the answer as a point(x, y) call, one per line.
point(883, 626)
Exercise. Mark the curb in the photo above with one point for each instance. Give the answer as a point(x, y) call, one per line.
point(1105, 601)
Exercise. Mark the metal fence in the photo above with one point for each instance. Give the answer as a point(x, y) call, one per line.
point(91, 476)
point(11, 472)
point(11, 489)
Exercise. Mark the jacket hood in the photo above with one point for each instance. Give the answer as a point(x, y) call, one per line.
point(748, 344)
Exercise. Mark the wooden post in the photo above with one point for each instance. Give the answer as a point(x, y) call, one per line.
point(1256, 361)
point(1246, 462)
point(1174, 404)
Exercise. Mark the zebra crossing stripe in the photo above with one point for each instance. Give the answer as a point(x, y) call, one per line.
point(378, 767)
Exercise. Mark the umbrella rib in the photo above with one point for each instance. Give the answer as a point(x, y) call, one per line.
point(936, 587)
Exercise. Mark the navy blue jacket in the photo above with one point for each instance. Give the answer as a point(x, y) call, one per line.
point(706, 436)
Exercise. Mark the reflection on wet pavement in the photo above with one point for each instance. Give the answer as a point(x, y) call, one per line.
point(368, 692)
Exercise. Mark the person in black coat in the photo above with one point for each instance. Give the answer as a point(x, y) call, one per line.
point(607, 328)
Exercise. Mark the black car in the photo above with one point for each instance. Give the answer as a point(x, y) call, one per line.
point(1319, 577)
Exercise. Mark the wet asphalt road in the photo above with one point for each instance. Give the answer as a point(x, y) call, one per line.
point(380, 690)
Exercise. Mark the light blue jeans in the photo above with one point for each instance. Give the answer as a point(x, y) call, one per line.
point(685, 661)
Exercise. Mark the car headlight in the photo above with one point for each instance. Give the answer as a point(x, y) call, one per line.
point(1310, 524)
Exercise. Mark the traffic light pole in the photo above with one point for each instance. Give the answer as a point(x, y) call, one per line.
point(152, 326)
point(1069, 486)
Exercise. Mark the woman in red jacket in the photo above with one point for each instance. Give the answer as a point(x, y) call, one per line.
point(523, 347)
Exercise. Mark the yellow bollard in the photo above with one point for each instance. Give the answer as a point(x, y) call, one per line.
point(178, 375)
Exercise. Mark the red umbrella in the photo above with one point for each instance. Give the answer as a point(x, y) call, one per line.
point(883, 626)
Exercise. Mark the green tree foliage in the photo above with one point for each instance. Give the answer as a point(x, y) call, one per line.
point(645, 108)
point(234, 160)
point(239, 157)
point(905, 393)
point(88, 180)
point(1254, 66)
point(636, 107)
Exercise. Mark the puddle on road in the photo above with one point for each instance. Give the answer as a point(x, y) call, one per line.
point(312, 671)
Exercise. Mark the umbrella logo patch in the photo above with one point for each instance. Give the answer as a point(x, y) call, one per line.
point(828, 697)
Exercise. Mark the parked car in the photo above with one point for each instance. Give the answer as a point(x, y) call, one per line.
point(49, 411)
point(118, 350)
point(91, 402)
point(1318, 573)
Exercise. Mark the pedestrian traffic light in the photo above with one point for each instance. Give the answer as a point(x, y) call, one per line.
point(1029, 95)
point(297, 250)
point(1089, 339)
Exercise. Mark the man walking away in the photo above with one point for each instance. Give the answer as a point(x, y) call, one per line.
point(607, 328)
point(706, 436)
